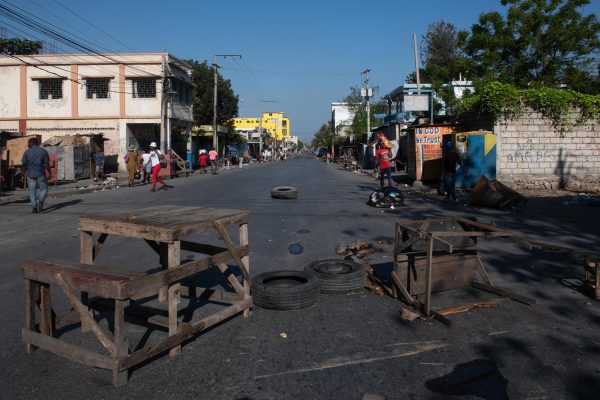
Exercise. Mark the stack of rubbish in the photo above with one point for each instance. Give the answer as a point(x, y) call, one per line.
point(584, 199)
point(495, 194)
point(386, 198)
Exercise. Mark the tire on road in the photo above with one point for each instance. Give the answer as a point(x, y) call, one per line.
point(284, 192)
point(338, 276)
point(285, 290)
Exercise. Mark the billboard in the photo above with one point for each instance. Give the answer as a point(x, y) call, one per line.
point(416, 102)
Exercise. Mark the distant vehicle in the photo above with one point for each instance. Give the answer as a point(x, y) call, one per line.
point(233, 152)
point(320, 152)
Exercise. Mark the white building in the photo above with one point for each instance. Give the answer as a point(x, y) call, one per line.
point(132, 99)
point(341, 119)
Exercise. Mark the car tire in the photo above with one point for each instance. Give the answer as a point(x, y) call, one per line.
point(338, 276)
point(285, 290)
point(284, 192)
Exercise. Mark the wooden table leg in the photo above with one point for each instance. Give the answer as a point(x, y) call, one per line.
point(428, 272)
point(120, 340)
point(31, 288)
point(45, 310)
point(174, 260)
point(86, 256)
point(245, 263)
point(163, 251)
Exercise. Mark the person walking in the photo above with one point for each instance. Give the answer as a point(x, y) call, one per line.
point(99, 159)
point(131, 159)
point(202, 160)
point(146, 168)
point(212, 156)
point(383, 155)
point(36, 164)
point(451, 158)
point(154, 160)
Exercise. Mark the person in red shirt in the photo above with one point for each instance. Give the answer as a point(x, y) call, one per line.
point(384, 158)
point(202, 160)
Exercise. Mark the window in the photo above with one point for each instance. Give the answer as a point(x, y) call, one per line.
point(50, 89)
point(97, 88)
point(144, 88)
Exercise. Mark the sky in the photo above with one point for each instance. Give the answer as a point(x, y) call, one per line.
point(297, 57)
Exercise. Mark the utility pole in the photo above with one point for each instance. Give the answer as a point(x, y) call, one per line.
point(416, 61)
point(367, 92)
point(216, 67)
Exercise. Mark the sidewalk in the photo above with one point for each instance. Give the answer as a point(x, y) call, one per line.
point(64, 189)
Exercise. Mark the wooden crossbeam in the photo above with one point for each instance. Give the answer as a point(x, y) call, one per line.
point(232, 248)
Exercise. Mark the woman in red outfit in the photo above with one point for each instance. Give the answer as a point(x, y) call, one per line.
point(154, 161)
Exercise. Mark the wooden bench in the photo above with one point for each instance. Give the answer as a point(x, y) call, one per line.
point(116, 289)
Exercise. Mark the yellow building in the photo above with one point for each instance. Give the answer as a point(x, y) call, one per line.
point(275, 123)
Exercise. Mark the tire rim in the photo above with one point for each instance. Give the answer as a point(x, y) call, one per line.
point(333, 267)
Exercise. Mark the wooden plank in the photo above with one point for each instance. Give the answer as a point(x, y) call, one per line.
point(412, 301)
point(66, 350)
point(161, 223)
point(121, 344)
point(201, 248)
point(231, 278)
point(232, 248)
point(470, 306)
point(483, 272)
point(448, 246)
point(30, 289)
point(99, 244)
point(503, 292)
point(449, 273)
point(245, 263)
point(45, 310)
point(174, 259)
point(87, 316)
point(86, 256)
point(164, 263)
point(428, 273)
point(175, 340)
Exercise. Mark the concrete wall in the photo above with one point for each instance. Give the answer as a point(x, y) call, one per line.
point(10, 93)
point(532, 154)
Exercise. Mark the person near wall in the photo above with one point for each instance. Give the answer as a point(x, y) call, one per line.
point(131, 159)
point(99, 160)
point(451, 159)
point(36, 163)
point(155, 160)
point(383, 154)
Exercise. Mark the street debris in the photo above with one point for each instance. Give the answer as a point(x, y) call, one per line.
point(359, 248)
point(295, 248)
point(495, 194)
point(283, 335)
point(584, 199)
point(440, 255)
point(386, 198)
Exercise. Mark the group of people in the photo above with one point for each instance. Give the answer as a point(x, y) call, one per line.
point(149, 164)
point(450, 160)
point(204, 158)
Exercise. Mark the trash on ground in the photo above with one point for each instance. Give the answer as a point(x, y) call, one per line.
point(283, 335)
point(495, 194)
point(295, 248)
point(584, 199)
point(409, 315)
point(386, 198)
point(359, 249)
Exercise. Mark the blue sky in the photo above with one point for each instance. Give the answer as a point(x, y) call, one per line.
point(297, 56)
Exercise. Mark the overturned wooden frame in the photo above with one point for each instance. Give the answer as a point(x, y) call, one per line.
point(163, 229)
point(443, 265)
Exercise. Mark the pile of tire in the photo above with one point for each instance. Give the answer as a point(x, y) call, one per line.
point(293, 290)
point(338, 276)
point(284, 192)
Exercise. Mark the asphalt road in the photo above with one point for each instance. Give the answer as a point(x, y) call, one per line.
point(346, 346)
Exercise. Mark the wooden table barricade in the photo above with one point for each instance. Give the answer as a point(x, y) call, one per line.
point(440, 255)
point(163, 228)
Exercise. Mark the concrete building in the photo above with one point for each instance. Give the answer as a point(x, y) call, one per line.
point(341, 119)
point(132, 99)
point(275, 123)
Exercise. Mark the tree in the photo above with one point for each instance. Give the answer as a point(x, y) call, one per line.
point(227, 100)
point(20, 46)
point(539, 42)
point(442, 57)
point(323, 137)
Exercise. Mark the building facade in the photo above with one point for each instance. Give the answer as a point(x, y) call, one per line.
point(132, 99)
point(274, 123)
point(341, 119)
